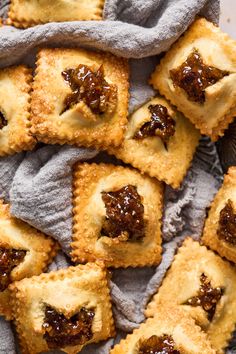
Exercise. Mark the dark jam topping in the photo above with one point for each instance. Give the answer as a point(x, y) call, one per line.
point(124, 214)
point(161, 124)
point(9, 259)
point(158, 345)
point(61, 332)
point(3, 121)
point(194, 77)
point(207, 297)
point(90, 87)
point(227, 224)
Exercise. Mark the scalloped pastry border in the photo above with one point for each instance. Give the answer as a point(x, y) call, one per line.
point(217, 131)
point(173, 318)
point(193, 249)
point(86, 177)
point(103, 135)
point(26, 141)
point(25, 22)
point(132, 152)
point(209, 237)
point(19, 291)
point(30, 239)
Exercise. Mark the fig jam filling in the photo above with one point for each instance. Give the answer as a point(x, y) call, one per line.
point(124, 214)
point(207, 297)
point(158, 345)
point(227, 224)
point(9, 259)
point(3, 121)
point(61, 332)
point(90, 87)
point(161, 124)
point(193, 76)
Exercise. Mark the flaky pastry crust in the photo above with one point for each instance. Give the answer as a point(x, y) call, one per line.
point(210, 237)
point(90, 180)
point(27, 13)
point(40, 250)
point(172, 321)
point(66, 291)
point(15, 87)
point(182, 282)
point(217, 49)
point(149, 155)
point(51, 126)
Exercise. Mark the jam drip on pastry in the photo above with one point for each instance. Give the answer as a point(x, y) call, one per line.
point(9, 259)
point(194, 77)
point(90, 87)
point(158, 345)
point(61, 332)
point(124, 214)
point(161, 124)
point(227, 224)
point(207, 297)
point(3, 121)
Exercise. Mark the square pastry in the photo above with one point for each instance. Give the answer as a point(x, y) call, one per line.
point(159, 141)
point(63, 310)
point(15, 87)
point(117, 216)
point(27, 13)
point(203, 284)
point(220, 227)
point(198, 75)
point(24, 252)
point(170, 331)
point(80, 97)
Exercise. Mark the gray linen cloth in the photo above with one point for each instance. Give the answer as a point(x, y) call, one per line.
point(38, 183)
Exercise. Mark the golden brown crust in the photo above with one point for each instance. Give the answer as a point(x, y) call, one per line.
point(210, 237)
point(15, 87)
point(218, 50)
point(67, 291)
point(29, 13)
point(150, 156)
point(89, 213)
point(40, 250)
point(72, 127)
point(173, 321)
point(191, 261)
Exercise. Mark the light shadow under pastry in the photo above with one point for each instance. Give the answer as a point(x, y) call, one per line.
point(64, 310)
point(204, 285)
point(15, 87)
point(80, 97)
point(117, 216)
point(27, 13)
point(159, 141)
point(24, 252)
point(170, 331)
point(198, 76)
point(220, 227)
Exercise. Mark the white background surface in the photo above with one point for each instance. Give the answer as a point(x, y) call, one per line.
point(228, 17)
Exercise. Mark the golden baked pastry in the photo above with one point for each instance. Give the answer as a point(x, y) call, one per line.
point(170, 331)
point(117, 216)
point(203, 284)
point(15, 86)
point(198, 75)
point(24, 252)
point(27, 13)
point(220, 227)
point(80, 97)
point(66, 309)
point(159, 141)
